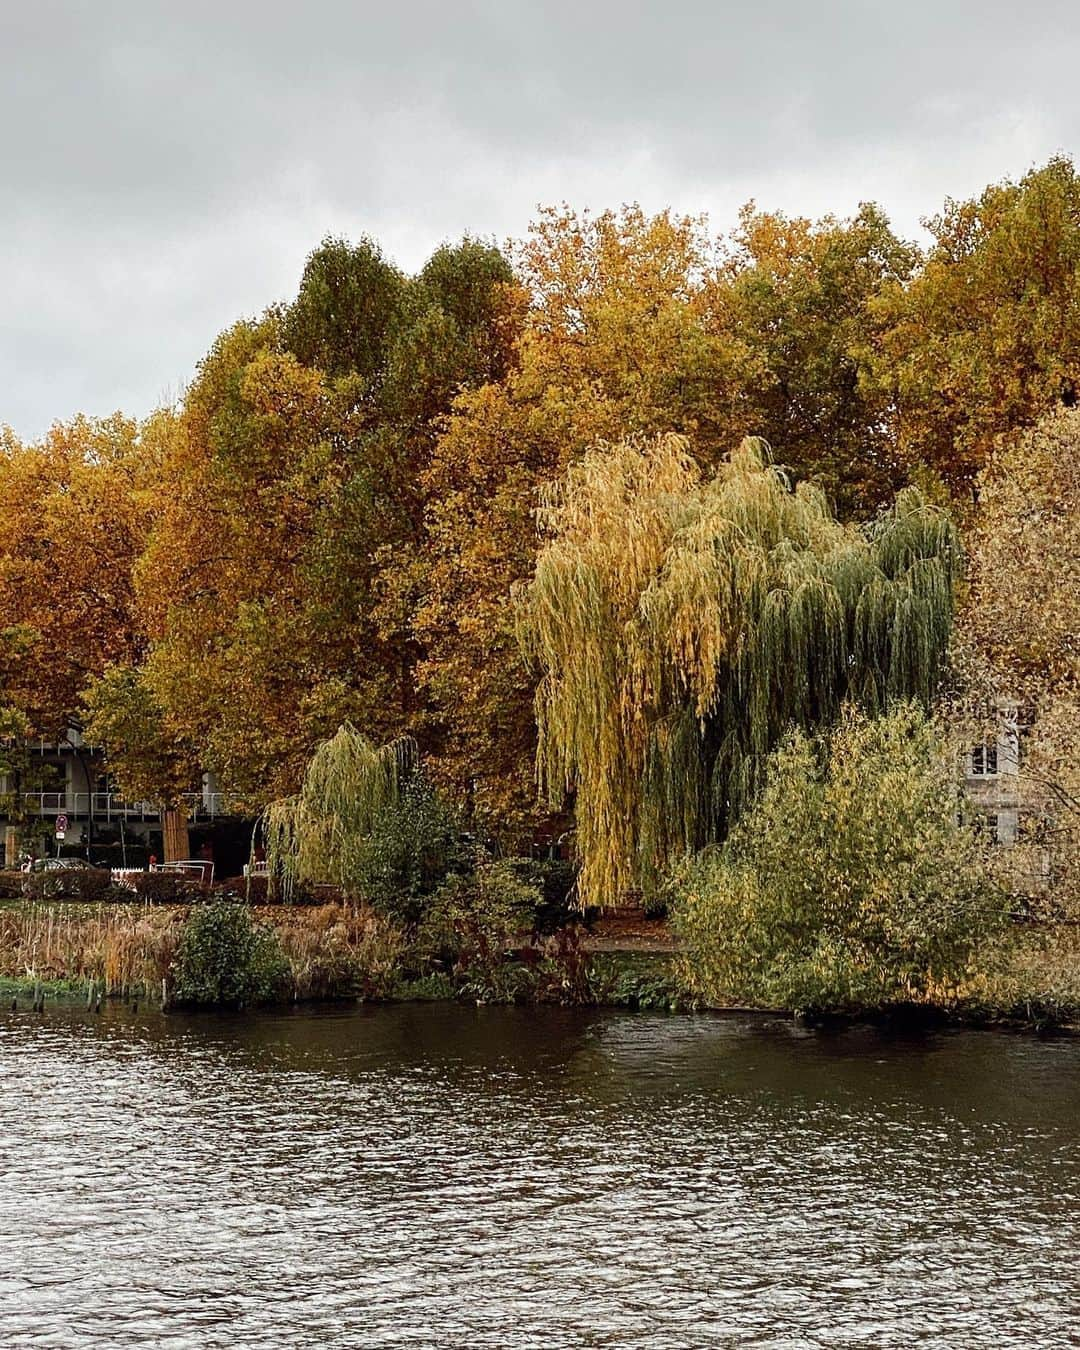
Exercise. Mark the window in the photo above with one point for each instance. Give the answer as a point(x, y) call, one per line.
point(984, 761)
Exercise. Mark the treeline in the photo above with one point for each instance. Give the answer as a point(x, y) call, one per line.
point(331, 523)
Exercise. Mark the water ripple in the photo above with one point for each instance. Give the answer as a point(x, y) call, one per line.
point(436, 1176)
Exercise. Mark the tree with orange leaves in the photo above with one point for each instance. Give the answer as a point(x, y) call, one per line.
point(984, 338)
point(75, 513)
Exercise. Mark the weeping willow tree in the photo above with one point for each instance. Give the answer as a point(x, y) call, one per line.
point(681, 626)
point(320, 835)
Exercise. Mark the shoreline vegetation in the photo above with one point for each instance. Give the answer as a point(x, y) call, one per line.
point(68, 953)
point(739, 574)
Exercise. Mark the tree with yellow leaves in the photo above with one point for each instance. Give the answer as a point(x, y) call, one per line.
point(75, 513)
point(683, 623)
point(984, 339)
point(1020, 635)
point(620, 338)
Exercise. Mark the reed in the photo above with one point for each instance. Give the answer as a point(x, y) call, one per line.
point(109, 947)
point(128, 951)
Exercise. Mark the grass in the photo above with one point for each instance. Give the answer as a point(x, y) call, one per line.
point(122, 948)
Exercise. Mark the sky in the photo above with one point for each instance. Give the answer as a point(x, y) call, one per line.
point(166, 168)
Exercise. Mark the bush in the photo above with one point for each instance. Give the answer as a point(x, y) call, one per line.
point(12, 885)
point(554, 880)
point(164, 888)
point(90, 885)
point(473, 921)
point(416, 843)
point(852, 885)
point(225, 958)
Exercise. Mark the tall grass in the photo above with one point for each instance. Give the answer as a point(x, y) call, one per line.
point(333, 951)
point(122, 948)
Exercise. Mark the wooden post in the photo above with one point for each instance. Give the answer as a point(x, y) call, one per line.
point(174, 828)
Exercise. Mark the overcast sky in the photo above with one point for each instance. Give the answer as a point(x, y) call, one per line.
point(167, 167)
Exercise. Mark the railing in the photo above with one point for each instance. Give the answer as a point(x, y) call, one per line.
point(196, 869)
point(109, 806)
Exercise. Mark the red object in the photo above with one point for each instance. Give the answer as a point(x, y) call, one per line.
point(153, 859)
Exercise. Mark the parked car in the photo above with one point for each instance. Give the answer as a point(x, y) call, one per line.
point(57, 865)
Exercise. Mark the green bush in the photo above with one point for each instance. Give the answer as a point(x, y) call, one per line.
point(473, 920)
point(416, 843)
point(853, 884)
point(225, 958)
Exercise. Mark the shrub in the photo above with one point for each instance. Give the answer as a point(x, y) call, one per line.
point(12, 885)
point(564, 972)
point(226, 958)
point(163, 888)
point(255, 890)
point(554, 879)
point(473, 920)
point(89, 885)
point(415, 844)
point(852, 884)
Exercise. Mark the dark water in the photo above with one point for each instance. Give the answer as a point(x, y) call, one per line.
point(442, 1176)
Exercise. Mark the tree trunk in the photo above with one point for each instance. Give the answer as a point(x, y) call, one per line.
point(174, 829)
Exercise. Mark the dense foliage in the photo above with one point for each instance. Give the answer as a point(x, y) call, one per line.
point(329, 526)
point(852, 884)
point(1019, 646)
point(683, 624)
point(225, 957)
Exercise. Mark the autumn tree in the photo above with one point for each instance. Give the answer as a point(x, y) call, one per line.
point(801, 296)
point(234, 617)
point(1020, 630)
point(621, 336)
point(984, 339)
point(281, 578)
point(682, 623)
point(75, 512)
point(147, 759)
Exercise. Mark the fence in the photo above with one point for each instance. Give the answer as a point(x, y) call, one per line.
point(109, 806)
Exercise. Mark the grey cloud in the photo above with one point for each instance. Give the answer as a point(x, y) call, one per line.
point(167, 167)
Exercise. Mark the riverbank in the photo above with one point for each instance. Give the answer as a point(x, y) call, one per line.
point(68, 952)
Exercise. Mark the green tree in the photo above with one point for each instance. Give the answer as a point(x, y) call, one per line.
point(682, 623)
point(345, 312)
point(365, 820)
point(851, 885)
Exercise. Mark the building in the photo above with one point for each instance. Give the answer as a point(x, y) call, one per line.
point(66, 783)
point(992, 774)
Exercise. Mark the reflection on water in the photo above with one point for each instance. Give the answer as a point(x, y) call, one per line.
point(430, 1175)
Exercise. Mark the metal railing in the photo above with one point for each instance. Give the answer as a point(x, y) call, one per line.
point(109, 806)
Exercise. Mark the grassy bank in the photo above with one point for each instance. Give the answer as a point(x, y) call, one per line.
point(134, 951)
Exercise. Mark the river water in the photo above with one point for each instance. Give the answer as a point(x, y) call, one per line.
point(431, 1175)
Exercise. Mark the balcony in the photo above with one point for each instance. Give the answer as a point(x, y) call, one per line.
point(109, 806)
